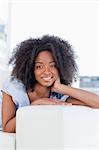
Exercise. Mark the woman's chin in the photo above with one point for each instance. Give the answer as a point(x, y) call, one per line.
point(47, 84)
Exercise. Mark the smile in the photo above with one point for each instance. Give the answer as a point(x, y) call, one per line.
point(47, 78)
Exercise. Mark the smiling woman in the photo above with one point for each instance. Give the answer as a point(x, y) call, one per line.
point(43, 71)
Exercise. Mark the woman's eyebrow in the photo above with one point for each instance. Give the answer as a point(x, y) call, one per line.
point(38, 62)
point(52, 61)
point(42, 62)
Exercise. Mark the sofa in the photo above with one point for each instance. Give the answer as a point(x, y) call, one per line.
point(7, 141)
point(53, 127)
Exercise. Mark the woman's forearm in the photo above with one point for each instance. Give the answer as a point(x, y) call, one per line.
point(10, 126)
point(45, 101)
point(87, 97)
point(49, 101)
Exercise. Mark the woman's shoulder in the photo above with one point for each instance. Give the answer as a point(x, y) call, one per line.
point(14, 83)
point(16, 90)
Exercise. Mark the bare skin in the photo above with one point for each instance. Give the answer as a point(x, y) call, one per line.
point(46, 75)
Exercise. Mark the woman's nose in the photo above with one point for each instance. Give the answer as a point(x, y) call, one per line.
point(47, 70)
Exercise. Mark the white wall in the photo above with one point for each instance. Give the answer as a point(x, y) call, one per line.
point(4, 44)
point(75, 21)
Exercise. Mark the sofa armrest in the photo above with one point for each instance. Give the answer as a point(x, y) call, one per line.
point(57, 128)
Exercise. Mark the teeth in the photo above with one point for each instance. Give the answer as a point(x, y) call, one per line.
point(47, 78)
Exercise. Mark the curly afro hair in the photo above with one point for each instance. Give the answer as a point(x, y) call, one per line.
point(23, 59)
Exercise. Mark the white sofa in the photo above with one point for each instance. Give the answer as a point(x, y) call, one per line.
point(53, 127)
point(7, 141)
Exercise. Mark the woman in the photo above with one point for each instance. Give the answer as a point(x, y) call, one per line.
point(43, 70)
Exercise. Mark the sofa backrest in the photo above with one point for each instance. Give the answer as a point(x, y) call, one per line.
point(57, 128)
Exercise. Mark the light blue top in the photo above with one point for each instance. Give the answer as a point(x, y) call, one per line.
point(16, 90)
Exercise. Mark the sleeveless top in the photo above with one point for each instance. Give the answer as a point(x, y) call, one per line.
point(16, 90)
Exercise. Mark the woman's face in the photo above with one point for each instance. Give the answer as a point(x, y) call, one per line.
point(45, 69)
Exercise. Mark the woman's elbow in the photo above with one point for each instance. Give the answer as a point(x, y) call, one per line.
point(7, 129)
point(4, 128)
point(95, 106)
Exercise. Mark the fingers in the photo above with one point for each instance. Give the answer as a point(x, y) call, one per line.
point(62, 103)
point(49, 102)
point(65, 103)
point(58, 80)
point(70, 104)
point(56, 102)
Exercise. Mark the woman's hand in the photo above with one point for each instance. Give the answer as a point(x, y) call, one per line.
point(57, 86)
point(48, 101)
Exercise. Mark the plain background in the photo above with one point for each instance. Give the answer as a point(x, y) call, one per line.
point(76, 21)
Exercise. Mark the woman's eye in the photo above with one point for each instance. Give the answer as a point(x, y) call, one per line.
point(39, 67)
point(52, 65)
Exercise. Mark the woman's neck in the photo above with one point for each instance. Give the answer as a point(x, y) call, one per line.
point(42, 91)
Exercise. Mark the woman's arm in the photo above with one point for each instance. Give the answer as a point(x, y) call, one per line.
point(48, 101)
point(82, 97)
point(77, 96)
point(75, 101)
point(8, 114)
